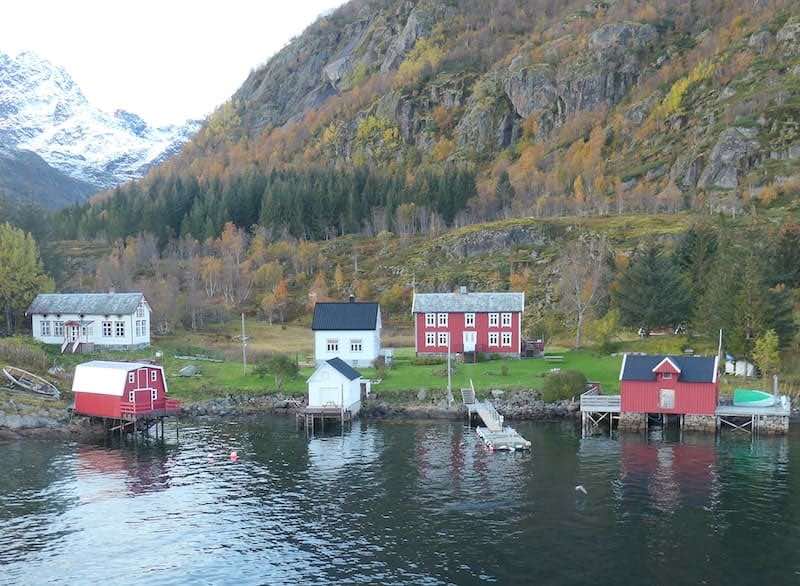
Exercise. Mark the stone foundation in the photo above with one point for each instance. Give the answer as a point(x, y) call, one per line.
point(772, 424)
point(700, 423)
point(632, 421)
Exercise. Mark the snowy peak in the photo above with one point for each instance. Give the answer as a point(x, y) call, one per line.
point(44, 111)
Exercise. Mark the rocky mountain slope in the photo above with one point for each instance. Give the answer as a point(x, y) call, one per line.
point(43, 111)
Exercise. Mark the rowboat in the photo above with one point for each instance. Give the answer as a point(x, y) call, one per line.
point(30, 382)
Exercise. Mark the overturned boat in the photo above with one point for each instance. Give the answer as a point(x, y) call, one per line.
point(30, 382)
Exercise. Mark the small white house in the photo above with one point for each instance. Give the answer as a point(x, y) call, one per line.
point(336, 385)
point(736, 367)
point(349, 330)
point(81, 321)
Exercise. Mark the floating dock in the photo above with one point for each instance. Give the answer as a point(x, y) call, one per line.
point(494, 434)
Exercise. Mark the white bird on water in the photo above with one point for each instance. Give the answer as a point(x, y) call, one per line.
point(580, 488)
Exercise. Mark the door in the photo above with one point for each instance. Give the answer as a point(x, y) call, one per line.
point(470, 339)
point(72, 333)
point(666, 398)
point(144, 393)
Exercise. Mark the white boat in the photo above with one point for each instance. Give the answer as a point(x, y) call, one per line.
point(30, 382)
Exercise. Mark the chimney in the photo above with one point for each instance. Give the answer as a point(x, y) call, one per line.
point(352, 298)
point(462, 289)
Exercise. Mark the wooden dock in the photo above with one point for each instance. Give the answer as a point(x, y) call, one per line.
point(494, 434)
point(313, 416)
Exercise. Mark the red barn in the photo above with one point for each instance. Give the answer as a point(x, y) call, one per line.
point(681, 385)
point(468, 322)
point(118, 390)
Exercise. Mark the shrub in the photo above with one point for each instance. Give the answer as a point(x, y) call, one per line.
point(280, 366)
point(563, 385)
point(504, 370)
point(428, 360)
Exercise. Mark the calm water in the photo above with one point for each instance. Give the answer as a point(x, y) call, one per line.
point(401, 503)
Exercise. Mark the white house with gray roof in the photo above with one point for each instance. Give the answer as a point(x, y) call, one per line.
point(486, 322)
point(82, 321)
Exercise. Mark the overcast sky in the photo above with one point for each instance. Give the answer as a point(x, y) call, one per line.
point(165, 60)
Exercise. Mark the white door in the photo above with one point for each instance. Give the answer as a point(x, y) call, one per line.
point(470, 339)
point(72, 332)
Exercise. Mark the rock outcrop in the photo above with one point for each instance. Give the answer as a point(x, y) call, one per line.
point(733, 155)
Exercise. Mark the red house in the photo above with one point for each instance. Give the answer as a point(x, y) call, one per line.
point(681, 385)
point(121, 390)
point(468, 322)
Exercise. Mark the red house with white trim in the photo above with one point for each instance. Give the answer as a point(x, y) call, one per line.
point(681, 385)
point(468, 322)
point(118, 390)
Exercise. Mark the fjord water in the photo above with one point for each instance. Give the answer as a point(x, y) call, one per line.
point(401, 503)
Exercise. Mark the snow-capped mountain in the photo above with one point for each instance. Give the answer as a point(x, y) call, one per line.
point(44, 111)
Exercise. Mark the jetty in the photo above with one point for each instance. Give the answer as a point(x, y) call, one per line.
point(493, 432)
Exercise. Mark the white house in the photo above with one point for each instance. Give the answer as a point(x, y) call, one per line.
point(739, 367)
point(81, 321)
point(336, 385)
point(349, 330)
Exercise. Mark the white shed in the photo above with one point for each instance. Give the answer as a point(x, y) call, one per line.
point(336, 385)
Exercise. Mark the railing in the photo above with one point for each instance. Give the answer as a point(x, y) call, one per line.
point(592, 400)
point(166, 405)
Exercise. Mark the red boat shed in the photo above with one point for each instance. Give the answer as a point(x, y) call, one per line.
point(681, 385)
point(121, 390)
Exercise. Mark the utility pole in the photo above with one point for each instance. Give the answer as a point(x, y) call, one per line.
point(449, 376)
point(244, 348)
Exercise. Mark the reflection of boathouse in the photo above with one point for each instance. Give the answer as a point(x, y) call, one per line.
point(683, 390)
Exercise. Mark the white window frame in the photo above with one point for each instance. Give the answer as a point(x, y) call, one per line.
point(153, 375)
point(469, 320)
point(666, 375)
point(332, 344)
point(441, 320)
point(442, 339)
point(86, 331)
point(494, 339)
point(58, 328)
point(119, 329)
point(108, 329)
point(153, 394)
point(430, 339)
point(140, 311)
point(664, 394)
point(131, 378)
point(494, 320)
point(430, 320)
point(505, 320)
point(131, 397)
point(45, 329)
point(505, 339)
point(356, 346)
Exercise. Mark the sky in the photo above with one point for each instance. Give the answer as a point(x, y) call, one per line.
point(165, 60)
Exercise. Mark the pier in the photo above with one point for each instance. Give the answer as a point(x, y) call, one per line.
point(317, 416)
point(494, 434)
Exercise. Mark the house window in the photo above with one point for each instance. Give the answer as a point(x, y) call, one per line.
point(131, 377)
point(442, 319)
point(141, 329)
point(140, 311)
point(506, 320)
point(107, 329)
point(507, 339)
point(494, 338)
point(131, 397)
point(154, 375)
point(667, 376)
point(332, 345)
point(119, 329)
point(153, 394)
point(86, 331)
point(58, 328)
point(469, 320)
point(45, 331)
point(494, 320)
point(430, 339)
point(430, 320)
point(355, 346)
point(666, 398)
point(443, 337)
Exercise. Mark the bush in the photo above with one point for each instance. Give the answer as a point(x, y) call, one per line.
point(428, 360)
point(563, 385)
point(504, 370)
point(280, 366)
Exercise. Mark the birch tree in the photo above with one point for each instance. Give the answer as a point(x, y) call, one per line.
point(582, 272)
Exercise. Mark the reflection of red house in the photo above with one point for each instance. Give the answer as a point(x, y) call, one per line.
point(669, 384)
point(117, 390)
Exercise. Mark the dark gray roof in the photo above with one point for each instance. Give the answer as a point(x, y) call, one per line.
point(468, 302)
point(344, 369)
point(352, 315)
point(694, 369)
point(86, 303)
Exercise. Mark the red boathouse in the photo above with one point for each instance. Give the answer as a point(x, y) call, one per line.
point(468, 322)
point(122, 391)
point(679, 385)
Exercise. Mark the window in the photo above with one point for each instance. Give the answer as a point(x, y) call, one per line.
point(86, 331)
point(106, 329)
point(119, 329)
point(442, 319)
point(494, 320)
point(141, 328)
point(430, 319)
point(494, 338)
point(140, 311)
point(332, 345)
point(131, 396)
point(506, 320)
point(45, 331)
point(131, 377)
point(443, 337)
point(667, 376)
point(58, 328)
point(153, 394)
point(666, 398)
point(469, 320)
point(154, 375)
point(430, 339)
point(507, 339)
point(355, 346)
